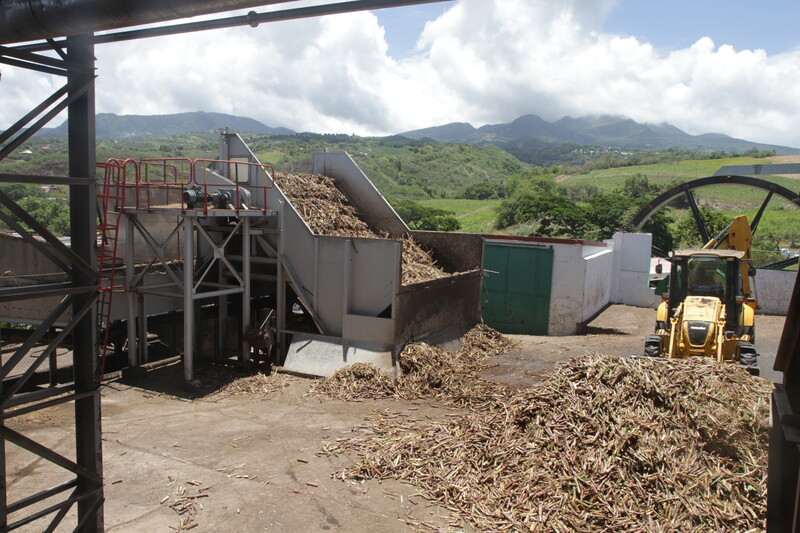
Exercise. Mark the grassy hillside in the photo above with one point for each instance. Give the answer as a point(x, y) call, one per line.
point(400, 168)
point(726, 198)
point(780, 224)
point(475, 216)
point(434, 173)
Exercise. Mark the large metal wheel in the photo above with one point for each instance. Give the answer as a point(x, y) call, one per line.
point(686, 190)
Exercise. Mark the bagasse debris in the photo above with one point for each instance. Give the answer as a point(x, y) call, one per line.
point(328, 212)
point(605, 444)
point(427, 372)
point(257, 383)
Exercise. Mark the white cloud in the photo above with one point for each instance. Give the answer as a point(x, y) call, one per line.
point(480, 62)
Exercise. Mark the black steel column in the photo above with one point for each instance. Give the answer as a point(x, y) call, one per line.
point(83, 231)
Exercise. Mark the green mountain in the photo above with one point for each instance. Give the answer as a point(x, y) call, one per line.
point(400, 168)
point(529, 136)
point(110, 125)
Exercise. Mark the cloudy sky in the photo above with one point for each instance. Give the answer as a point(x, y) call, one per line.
point(701, 65)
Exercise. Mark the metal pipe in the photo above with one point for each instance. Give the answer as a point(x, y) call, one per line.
point(246, 249)
point(251, 19)
point(188, 300)
point(28, 20)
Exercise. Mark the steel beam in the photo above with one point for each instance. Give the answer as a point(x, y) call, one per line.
point(68, 255)
point(757, 218)
point(280, 305)
point(83, 229)
point(35, 59)
point(43, 180)
point(73, 94)
point(698, 217)
point(156, 248)
point(251, 19)
point(188, 299)
point(35, 112)
point(246, 251)
point(130, 271)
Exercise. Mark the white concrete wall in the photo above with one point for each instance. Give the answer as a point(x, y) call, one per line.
point(580, 285)
point(774, 290)
point(566, 292)
point(631, 272)
point(596, 281)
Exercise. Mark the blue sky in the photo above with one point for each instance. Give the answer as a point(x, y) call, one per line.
point(674, 24)
point(704, 66)
point(773, 25)
point(404, 25)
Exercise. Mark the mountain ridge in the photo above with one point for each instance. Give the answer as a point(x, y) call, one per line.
point(111, 125)
point(528, 137)
point(530, 132)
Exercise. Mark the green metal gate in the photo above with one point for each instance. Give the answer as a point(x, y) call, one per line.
point(516, 294)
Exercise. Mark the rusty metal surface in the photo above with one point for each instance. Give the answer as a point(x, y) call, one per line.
point(454, 252)
point(422, 315)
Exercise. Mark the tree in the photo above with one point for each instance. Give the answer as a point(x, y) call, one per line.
point(18, 191)
point(556, 215)
point(638, 186)
point(610, 213)
point(50, 212)
point(582, 191)
point(484, 191)
point(687, 234)
point(420, 217)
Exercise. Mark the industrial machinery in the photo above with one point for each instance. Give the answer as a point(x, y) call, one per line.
point(710, 308)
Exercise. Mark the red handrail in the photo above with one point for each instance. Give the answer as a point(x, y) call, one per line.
point(173, 173)
point(266, 172)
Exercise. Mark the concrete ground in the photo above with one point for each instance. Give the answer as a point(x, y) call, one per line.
point(254, 462)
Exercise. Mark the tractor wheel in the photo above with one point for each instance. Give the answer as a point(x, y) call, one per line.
point(652, 346)
point(748, 356)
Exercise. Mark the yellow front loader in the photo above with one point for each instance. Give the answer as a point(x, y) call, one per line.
point(710, 308)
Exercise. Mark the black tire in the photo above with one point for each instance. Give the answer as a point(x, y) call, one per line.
point(748, 356)
point(652, 346)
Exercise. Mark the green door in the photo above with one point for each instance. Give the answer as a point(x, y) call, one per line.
point(516, 295)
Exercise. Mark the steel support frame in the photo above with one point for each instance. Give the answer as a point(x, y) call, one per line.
point(193, 283)
point(80, 292)
point(252, 19)
point(77, 96)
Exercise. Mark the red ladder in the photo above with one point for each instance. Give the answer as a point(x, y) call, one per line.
point(111, 200)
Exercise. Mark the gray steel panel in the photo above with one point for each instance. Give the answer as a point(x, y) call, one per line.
point(372, 285)
point(331, 275)
point(360, 190)
point(759, 170)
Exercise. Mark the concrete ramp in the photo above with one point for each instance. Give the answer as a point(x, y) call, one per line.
point(318, 355)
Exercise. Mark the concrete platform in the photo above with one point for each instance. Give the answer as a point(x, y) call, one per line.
point(318, 355)
point(257, 458)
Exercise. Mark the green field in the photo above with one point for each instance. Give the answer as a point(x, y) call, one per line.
point(781, 221)
point(434, 173)
point(475, 216)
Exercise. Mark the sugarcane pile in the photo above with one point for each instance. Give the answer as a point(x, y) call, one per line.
point(328, 212)
point(428, 372)
point(605, 444)
point(257, 383)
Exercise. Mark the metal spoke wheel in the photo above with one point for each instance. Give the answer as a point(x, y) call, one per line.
point(685, 190)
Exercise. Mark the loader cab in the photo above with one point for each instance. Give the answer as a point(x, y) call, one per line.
point(713, 273)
